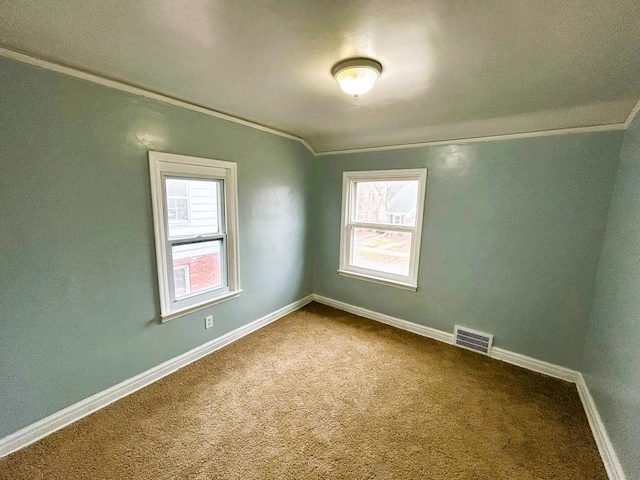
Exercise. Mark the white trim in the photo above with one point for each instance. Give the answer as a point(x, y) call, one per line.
point(390, 227)
point(381, 281)
point(199, 306)
point(535, 365)
point(349, 224)
point(509, 136)
point(632, 115)
point(161, 164)
point(58, 420)
point(126, 87)
point(387, 319)
point(607, 452)
point(446, 337)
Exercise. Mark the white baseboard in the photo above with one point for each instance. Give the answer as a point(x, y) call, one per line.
point(58, 420)
point(75, 412)
point(387, 319)
point(607, 452)
point(535, 365)
point(446, 337)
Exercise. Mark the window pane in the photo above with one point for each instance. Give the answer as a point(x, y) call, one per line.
point(192, 207)
point(387, 202)
point(203, 267)
point(381, 250)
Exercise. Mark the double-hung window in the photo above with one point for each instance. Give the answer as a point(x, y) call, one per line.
point(381, 226)
point(195, 217)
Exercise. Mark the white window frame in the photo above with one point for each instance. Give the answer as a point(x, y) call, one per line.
point(349, 224)
point(163, 165)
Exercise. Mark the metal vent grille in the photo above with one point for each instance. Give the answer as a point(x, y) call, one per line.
point(473, 340)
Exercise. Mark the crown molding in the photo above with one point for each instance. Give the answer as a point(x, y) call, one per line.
point(493, 138)
point(126, 87)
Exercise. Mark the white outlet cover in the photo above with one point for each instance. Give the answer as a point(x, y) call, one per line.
point(208, 321)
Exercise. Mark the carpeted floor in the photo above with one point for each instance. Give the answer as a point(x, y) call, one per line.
point(322, 394)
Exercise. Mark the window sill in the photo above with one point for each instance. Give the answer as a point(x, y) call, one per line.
point(382, 281)
point(199, 306)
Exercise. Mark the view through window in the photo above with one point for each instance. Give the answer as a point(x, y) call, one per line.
point(197, 264)
point(382, 215)
point(392, 203)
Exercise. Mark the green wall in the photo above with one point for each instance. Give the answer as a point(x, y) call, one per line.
point(612, 353)
point(512, 236)
point(78, 288)
point(511, 239)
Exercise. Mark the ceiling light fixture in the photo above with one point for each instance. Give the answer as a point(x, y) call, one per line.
point(356, 76)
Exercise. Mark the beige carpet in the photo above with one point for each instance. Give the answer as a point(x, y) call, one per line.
point(322, 394)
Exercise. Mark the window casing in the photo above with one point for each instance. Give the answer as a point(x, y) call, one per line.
point(382, 214)
point(196, 231)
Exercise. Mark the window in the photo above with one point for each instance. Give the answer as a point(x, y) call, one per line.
point(381, 226)
point(181, 281)
point(396, 219)
point(196, 228)
point(177, 201)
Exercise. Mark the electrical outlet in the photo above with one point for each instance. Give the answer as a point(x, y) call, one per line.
point(208, 321)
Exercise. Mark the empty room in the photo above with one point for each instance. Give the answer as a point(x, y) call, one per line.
point(319, 239)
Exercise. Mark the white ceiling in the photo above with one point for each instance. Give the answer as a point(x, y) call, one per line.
point(452, 69)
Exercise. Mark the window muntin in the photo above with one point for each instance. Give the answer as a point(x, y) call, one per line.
point(381, 225)
point(198, 261)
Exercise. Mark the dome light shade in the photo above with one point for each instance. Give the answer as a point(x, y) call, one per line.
point(356, 76)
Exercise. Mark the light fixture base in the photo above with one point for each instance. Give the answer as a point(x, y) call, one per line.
point(356, 62)
point(356, 76)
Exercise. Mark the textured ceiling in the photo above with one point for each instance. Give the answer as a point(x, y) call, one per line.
point(452, 69)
